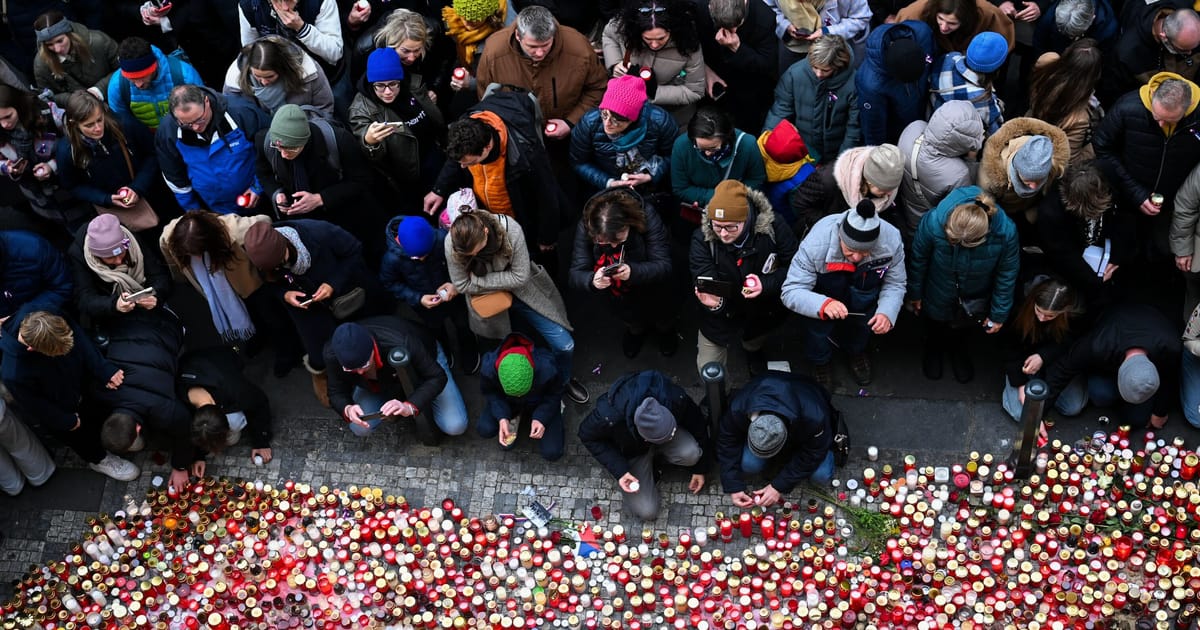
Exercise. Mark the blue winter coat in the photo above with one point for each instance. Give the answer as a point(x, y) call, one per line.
point(804, 407)
point(407, 279)
point(151, 105)
point(886, 105)
point(544, 396)
point(597, 159)
point(825, 112)
point(936, 266)
point(33, 277)
point(336, 257)
point(107, 170)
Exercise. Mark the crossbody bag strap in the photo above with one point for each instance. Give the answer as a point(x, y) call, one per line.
point(912, 159)
point(736, 141)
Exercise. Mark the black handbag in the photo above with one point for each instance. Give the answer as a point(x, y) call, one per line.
point(841, 438)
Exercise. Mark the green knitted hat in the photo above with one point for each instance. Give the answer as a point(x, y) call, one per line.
point(289, 127)
point(516, 374)
point(476, 10)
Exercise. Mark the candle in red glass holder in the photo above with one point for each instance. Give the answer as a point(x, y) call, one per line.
point(746, 524)
point(768, 527)
point(597, 514)
point(726, 527)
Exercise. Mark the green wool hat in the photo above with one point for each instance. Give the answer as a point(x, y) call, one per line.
point(289, 127)
point(516, 374)
point(476, 10)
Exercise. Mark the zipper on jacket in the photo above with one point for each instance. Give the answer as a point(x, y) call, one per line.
point(1162, 159)
point(554, 91)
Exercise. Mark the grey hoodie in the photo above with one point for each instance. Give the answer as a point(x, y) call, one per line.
point(941, 165)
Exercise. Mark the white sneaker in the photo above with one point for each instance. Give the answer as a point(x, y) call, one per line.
point(233, 437)
point(117, 468)
point(138, 444)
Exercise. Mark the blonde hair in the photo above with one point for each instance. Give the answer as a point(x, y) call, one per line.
point(47, 334)
point(968, 222)
point(403, 25)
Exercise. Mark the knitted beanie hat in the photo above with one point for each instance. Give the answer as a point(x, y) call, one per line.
point(987, 52)
point(1033, 161)
point(625, 96)
point(728, 202)
point(860, 226)
point(415, 235)
point(1137, 379)
point(352, 344)
point(767, 435)
point(265, 246)
point(476, 10)
point(105, 237)
point(384, 65)
point(289, 127)
point(654, 422)
point(885, 167)
point(515, 372)
point(784, 144)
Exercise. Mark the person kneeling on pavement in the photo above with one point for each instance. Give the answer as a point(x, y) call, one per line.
point(777, 418)
point(367, 389)
point(519, 381)
point(848, 281)
point(643, 416)
point(225, 403)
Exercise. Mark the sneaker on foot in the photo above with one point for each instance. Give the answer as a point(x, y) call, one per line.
point(631, 343)
point(668, 342)
point(138, 444)
point(823, 374)
point(117, 468)
point(860, 365)
point(577, 392)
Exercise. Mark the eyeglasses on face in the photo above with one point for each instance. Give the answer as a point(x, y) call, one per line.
point(611, 118)
point(654, 8)
point(733, 228)
point(386, 86)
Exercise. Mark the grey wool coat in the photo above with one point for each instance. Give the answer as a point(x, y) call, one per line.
point(525, 279)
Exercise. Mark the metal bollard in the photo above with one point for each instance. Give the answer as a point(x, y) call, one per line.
point(1036, 393)
point(713, 375)
point(427, 430)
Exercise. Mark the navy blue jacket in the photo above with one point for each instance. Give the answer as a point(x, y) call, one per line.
point(407, 279)
point(1104, 29)
point(801, 403)
point(390, 332)
point(596, 158)
point(886, 105)
point(33, 277)
point(51, 388)
point(543, 397)
point(219, 371)
point(611, 436)
point(336, 259)
point(107, 170)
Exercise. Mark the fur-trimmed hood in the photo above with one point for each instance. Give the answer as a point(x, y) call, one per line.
point(993, 168)
point(760, 209)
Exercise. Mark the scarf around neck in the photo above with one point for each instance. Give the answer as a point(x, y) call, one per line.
point(303, 257)
point(128, 277)
point(272, 97)
point(228, 312)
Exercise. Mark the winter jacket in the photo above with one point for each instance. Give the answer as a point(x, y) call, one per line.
point(242, 275)
point(991, 18)
point(1102, 349)
point(568, 82)
point(848, 173)
point(1185, 231)
point(782, 178)
point(401, 156)
point(998, 153)
point(107, 170)
point(850, 19)
point(953, 80)
point(408, 279)
point(335, 257)
point(1018, 349)
point(390, 332)
point(611, 436)
point(314, 93)
point(1063, 236)
point(34, 276)
point(320, 37)
point(51, 389)
point(344, 190)
point(96, 299)
point(765, 249)
point(539, 203)
point(679, 77)
point(647, 254)
point(820, 274)
point(1104, 29)
point(940, 273)
point(694, 177)
point(886, 105)
point(516, 273)
point(545, 394)
point(1138, 53)
point(150, 106)
point(148, 353)
point(749, 73)
point(825, 112)
point(598, 158)
point(802, 404)
point(219, 371)
point(940, 163)
point(19, 44)
point(1141, 158)
point(212, 174)
point(77, 75)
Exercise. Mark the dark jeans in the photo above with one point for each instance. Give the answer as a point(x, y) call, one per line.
point(1103, 392)
point(551, 445)
point(850, 334)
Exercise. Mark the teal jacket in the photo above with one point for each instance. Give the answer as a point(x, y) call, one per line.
point(149, 106)
point(936, 266)
point(694, 178)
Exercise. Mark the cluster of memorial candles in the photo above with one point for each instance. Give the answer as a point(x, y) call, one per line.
point(1105, 534)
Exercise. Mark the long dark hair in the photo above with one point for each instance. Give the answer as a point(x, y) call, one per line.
point(609, 212)
point(278, 55)
point(468, 231)
point(80, 106)
point(1049, 295)
point(1060, 87)
point(201, 232)
point(676, 17)
point(79, 46)
point(968, 19)
point(25, 104)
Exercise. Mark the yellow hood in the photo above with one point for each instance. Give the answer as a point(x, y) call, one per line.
point(1147, 93)
point(777, 171)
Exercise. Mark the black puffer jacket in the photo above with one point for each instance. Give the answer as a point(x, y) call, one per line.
point(646, 253)
point(391, 332)
point(96, 298)
point(219, 371)
point(611, 436)
point(1137, 54)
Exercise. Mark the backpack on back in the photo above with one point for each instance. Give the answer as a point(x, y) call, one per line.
point(518, 108)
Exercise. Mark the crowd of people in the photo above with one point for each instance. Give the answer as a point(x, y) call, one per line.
point(390, 192)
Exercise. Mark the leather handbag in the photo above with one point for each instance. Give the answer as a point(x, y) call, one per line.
point(491, 304)
point(348, 303)
point(140, 216)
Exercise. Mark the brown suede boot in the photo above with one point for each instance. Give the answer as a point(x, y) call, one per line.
point(320, 383)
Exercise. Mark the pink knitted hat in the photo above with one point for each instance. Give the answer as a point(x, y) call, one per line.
point(625, 96)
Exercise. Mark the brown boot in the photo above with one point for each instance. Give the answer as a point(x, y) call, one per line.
point(320, 383)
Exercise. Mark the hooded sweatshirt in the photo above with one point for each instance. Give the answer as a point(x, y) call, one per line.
point(848, 171)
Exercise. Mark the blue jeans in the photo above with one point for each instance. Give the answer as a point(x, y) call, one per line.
point(1102, 390)
point(850, 334)
point(449, 411)
point(1189, 388)
point(558, 338)
point(753, 464)
point(552, 443)
point(1070, 401)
